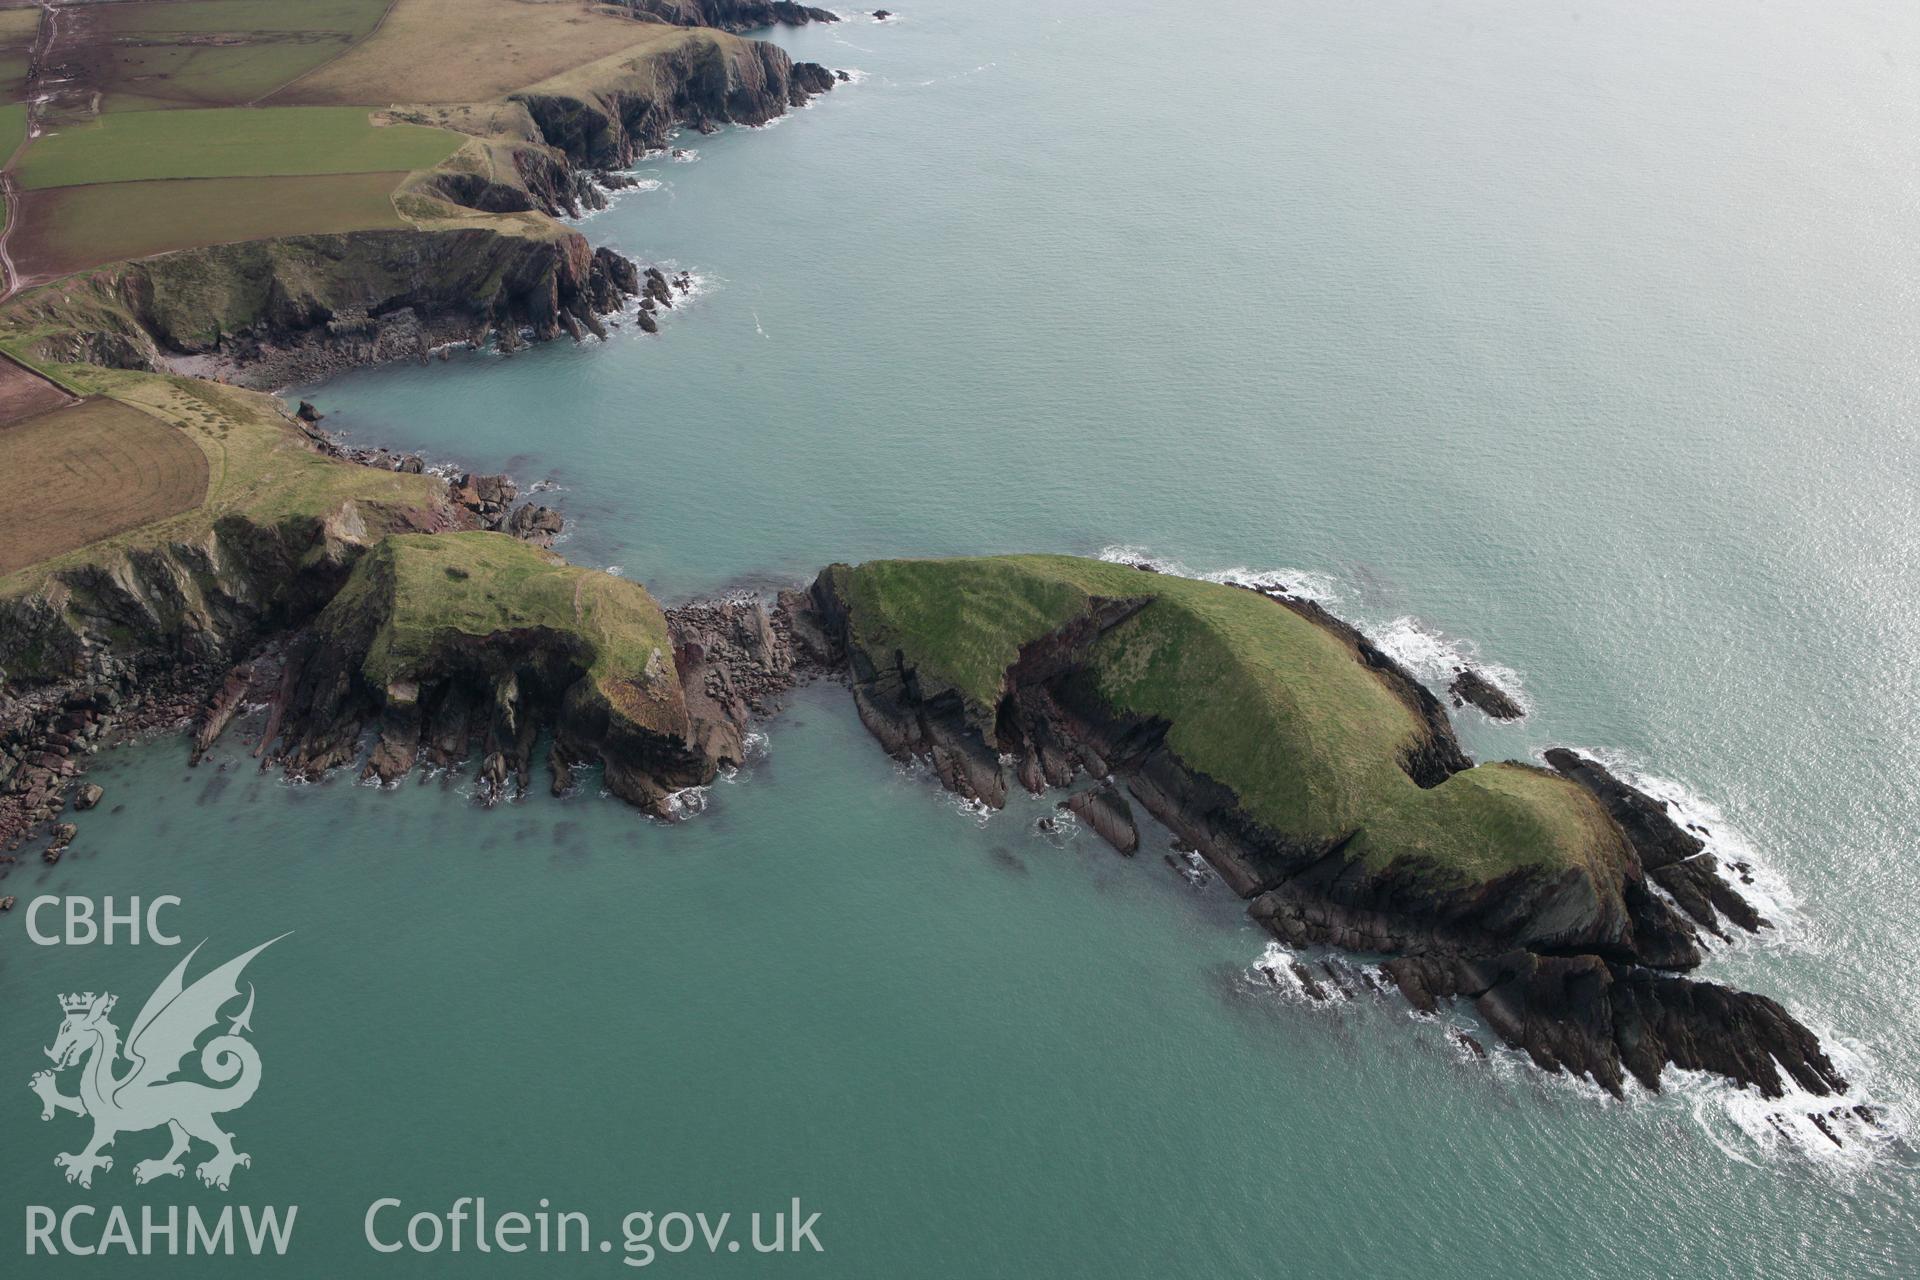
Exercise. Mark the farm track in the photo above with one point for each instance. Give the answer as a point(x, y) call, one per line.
point(43, 46)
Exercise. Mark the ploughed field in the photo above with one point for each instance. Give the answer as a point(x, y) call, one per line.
point(98, 468)
point(24, 393)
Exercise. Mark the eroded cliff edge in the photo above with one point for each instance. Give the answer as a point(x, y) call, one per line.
point(1326, 787)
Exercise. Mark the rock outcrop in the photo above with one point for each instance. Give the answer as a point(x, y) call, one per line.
point(265, 312)
point(1469, 687)
point(605, 116)
point(731, 15)
point(467, 646)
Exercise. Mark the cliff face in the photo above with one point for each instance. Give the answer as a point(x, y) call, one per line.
point(731, 15)
point(267, 312)
point(604, 115)
point(130, 639)
point(1559, 952)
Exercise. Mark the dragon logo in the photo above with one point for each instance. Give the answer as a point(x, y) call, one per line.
point(146, 1095)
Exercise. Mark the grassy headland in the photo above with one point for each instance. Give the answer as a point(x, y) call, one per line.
point(1256, 695)
point(429, 590)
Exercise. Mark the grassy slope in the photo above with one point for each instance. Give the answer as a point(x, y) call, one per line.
point(480, 584)
point(259, 466)
point(1258, 698)
point(229, 142)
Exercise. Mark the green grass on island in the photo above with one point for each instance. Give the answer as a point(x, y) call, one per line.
point(229, 142)
point(423, 590)
point(1258, 697)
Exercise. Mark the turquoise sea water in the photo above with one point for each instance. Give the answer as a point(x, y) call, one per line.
point(1577, 339)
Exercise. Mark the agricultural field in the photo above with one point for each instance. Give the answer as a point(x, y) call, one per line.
point(99, 468)
point(503, 45)
point(251, 462)
point(18, 28)
point(67, 229)
point(24, 393)
point(229, 142)
point(153, 54)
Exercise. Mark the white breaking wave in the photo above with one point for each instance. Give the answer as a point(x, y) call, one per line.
point(1274, 972)
point(688, 802)
point(1435, 658)
point(1827, 1131)
point(1318, 587)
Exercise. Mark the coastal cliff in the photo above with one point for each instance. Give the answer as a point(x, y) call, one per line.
point(731, 15)
point(481, 260)
point(265, 312)
point(464, 646)
point(1325, 786)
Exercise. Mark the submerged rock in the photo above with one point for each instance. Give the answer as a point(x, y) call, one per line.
point(1104, 809)
point(1469, 686)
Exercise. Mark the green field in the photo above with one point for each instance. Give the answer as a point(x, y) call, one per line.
point(1259, 697)
point(211, 52)
point(13, 132)
point(229, 142)
point(67, 229)
point(341, 17)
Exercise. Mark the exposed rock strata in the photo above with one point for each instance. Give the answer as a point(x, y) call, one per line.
point(139, 640)
point(1584, 982)
point(1469, 687)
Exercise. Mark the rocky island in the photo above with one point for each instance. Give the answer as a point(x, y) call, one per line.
point(1326, 786)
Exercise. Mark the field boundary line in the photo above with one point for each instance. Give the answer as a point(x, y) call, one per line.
point(64, 388)
point(372, 31)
